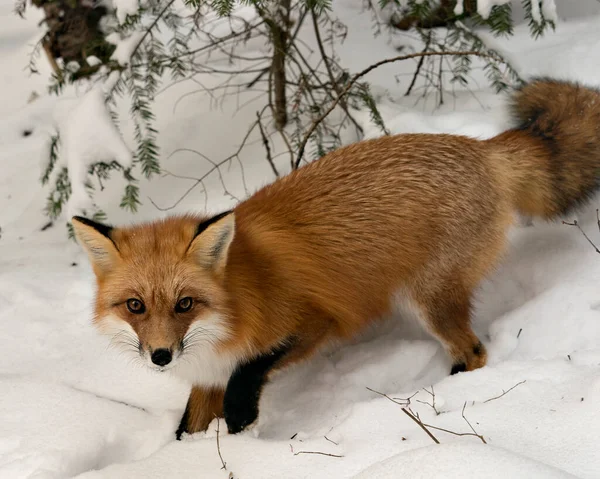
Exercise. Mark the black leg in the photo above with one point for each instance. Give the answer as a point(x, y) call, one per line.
point(240, 406)
point(458, 368)
point(183, 423)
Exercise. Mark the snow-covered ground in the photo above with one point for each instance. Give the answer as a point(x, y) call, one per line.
point(71, 406)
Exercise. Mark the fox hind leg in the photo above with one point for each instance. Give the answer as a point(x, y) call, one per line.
point(447, 315)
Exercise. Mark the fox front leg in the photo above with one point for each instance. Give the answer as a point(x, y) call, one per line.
point(244, 388)
point(204, 404)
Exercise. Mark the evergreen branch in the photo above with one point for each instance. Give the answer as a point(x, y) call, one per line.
point(151, 27)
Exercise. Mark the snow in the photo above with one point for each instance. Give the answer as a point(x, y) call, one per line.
point(89, 136)
point(124, 8)
point(549, 10)
point(479, 460)
point(536, 12)
point(484, 7)
point(125, 47)
point(71, 406)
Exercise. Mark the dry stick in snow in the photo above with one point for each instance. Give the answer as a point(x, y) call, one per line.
point(219, 447)
point(432, 404)
point(361, 74)
point(224, 464)
point(415, 417)
point(405, 401)
point(472, 428)
point(317, 452)
point(332, 442)
point(424, 426)
point(504, 392)
point(575, 223)
point(420, 424)
point(407, 412)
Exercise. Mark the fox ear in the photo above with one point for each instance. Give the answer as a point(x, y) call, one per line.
point(95, 239)
point(210, 247)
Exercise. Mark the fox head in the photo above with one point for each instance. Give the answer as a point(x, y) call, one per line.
point(160, 291)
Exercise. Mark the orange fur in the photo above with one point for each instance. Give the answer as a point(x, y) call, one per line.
point(324, 251)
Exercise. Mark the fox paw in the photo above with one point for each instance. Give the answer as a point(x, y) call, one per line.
point(240, 413)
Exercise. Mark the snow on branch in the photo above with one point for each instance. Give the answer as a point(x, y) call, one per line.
point(89, 137)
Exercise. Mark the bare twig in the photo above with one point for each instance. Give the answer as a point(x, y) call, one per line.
point(224, 465)
point(472, 428)
point(332, 79)
point(332, 442)
point(504, 392)
point(216, 167)
point(432, 404)
point(266, 143)
point(405, 402)
point(411, 415)
point(419, 65)
point(317, 452)
point(575, 223)
point(426, 427)
point(364, 72)
point(440, 82)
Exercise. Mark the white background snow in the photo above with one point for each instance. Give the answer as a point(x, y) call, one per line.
point(71, 406)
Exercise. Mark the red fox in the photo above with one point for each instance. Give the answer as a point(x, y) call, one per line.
point(317, 255)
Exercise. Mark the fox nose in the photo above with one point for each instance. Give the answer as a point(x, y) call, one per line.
point(161, 357)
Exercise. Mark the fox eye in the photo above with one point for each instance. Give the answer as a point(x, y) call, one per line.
point(135, 306)
point(184, 305)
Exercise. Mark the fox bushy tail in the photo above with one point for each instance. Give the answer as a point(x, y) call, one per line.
point(552, 154)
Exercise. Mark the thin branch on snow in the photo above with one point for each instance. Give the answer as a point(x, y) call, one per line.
point(317, 452)
point(504, 392)
point(472, 428)
point(106, 398)
point(224, 464)
point(332, 442)
point(420, 423)
point(432, 404)
point(575, 223)
point(409, 413)
point(405, 401)
point(426, 427)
